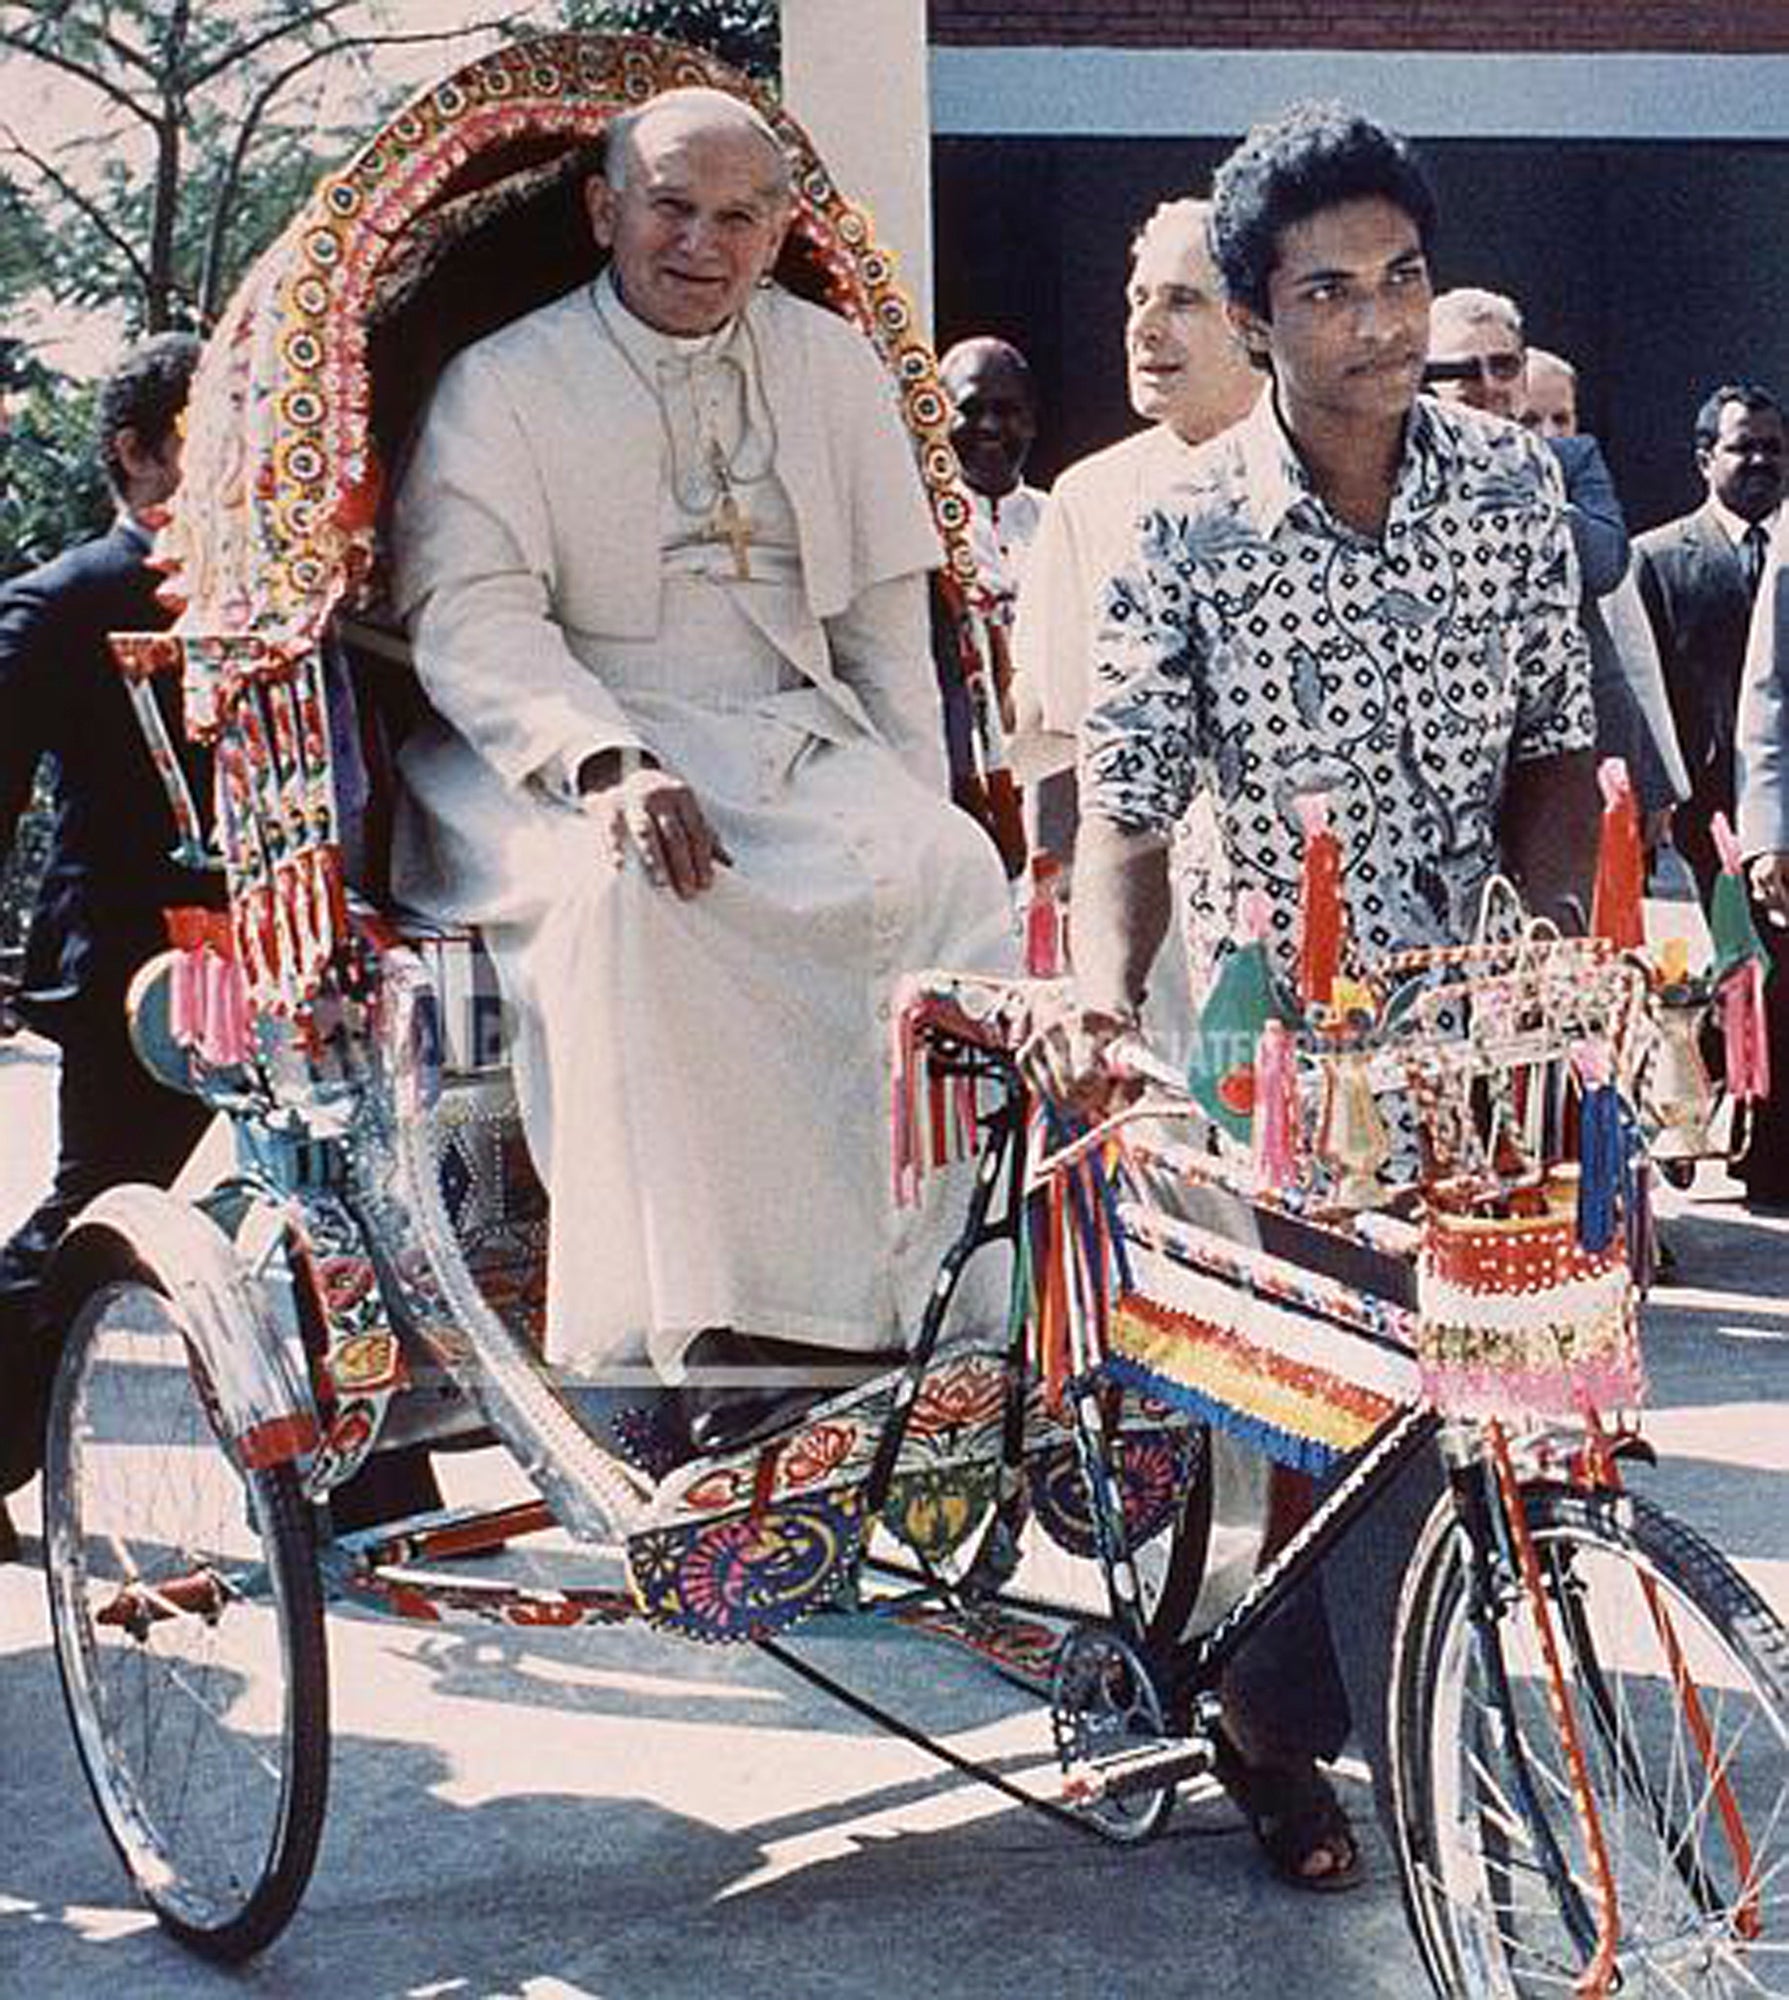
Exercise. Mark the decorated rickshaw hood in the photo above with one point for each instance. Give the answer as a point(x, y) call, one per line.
point(277, 520)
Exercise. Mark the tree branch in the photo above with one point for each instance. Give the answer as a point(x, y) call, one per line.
point(48, 18)
point(11, 38)
point(93, 213)
point(319, 16)
point(224, 203)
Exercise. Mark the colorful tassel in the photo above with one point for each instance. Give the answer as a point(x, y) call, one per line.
point(1319, 903)
point(224, 1038)
point(1740, 964)
point(208, 1011)
point(1616, 912)
point(1600, 1150)
point(1045, 957)
point(1745, 1034)
point(1276, 1106)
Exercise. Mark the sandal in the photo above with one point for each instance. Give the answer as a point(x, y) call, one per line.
point(1296, 1818)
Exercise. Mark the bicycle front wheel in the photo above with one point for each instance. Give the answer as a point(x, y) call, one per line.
point(189, 1631)
point(1678, 1676)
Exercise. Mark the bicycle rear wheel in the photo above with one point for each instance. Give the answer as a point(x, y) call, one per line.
point(189, 1631)
point(1678, 1674)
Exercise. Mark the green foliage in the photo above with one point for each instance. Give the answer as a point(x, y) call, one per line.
point(741, 32)
point(20, 873)
point(51, 491)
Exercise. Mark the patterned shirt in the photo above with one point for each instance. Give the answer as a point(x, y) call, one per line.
point(1259, 649)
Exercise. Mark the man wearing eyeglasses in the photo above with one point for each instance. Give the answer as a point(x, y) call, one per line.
point(1478, 357)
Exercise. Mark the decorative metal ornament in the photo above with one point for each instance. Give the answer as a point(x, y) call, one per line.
point(1352, 1140)
point(1676, 1088)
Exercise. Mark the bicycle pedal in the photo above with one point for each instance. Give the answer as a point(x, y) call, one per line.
point(1142, 1767)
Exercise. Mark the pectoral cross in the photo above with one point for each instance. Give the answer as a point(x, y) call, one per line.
point(730, 523)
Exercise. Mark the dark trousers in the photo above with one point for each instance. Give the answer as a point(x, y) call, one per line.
point(1321, 1668)
point(115, 1123)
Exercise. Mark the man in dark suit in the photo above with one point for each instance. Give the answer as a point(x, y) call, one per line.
point(111, 870)
point(1698, 578)
point(1478, 356)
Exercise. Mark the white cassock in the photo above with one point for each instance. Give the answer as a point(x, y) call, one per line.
point(705, 1084)
point(1086, 534)
point(1000, 536)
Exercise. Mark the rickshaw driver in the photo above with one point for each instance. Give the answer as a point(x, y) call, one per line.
point(1358, 592)
point(661, 549)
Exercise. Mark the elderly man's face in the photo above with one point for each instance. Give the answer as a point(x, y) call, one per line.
point(1495, 384)
point(1744, 465)
point(1185, 366)
point(1549, 401)
point(993, 420)
point(700, 220)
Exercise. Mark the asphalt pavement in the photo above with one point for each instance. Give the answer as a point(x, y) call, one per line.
point(621, 1816)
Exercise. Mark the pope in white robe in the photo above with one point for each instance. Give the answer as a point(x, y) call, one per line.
point(673, 518)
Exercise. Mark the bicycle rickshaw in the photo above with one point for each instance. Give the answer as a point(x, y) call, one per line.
point(1590, 1708)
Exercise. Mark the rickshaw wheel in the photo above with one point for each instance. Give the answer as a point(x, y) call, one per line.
point(188, 1618)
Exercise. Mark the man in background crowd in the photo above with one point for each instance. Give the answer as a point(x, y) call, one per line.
point(110, 872)
point(1700, 577)
point(1188, 379)
point(1626, 673)
point(1478, 358)
point(993, 427)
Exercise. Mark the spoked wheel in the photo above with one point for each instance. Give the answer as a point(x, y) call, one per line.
point(189, 1632)
point(1678, 1675)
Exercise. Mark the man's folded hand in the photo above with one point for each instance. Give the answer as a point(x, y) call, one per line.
point(654, 814)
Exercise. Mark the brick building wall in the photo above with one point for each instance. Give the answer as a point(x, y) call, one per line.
point(1706, 27)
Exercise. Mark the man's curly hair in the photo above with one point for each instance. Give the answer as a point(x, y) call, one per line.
point(146, 393)
point(1311, 157)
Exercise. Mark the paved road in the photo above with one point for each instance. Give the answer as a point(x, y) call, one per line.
point(628, 1817)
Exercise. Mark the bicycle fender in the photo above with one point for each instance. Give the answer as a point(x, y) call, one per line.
point(259, 1390)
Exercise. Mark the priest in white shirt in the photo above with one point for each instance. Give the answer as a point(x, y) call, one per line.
point(1188, 380)
point(662, 552)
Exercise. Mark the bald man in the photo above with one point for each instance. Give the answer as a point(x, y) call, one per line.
point(993, 426)
point(662, 552)
point(1188, 380)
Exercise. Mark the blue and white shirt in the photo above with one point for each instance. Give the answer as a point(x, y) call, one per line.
point(1259, 648)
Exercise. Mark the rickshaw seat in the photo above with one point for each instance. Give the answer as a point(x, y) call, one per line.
point(494, 1197)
